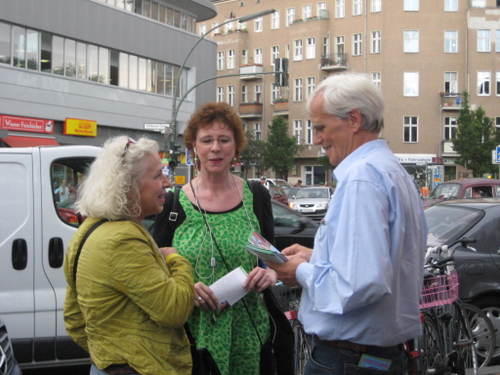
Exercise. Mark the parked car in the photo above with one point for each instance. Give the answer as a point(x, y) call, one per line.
point(312, 201)
point(8, 364)
point(291, 227)
point(472, 229)
point(468, 188)
point(275, 189)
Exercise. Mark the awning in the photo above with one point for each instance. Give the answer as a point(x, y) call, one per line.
point(20, 141)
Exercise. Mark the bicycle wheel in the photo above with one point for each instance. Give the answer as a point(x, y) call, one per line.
point(431, 359)
point(464, 356)
point(483, 332)
point(302, 349)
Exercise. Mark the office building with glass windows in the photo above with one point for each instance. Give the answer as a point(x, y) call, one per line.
point(422, 54)
point(79, 71)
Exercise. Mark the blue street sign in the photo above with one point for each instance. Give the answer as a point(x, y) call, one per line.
point(498, 154)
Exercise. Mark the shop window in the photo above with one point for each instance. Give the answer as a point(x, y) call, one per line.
point(4, 43)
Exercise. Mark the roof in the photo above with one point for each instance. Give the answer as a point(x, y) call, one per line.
point(202, 9)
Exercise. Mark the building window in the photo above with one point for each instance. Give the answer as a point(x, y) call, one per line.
point(220, 94)
point(450, 128)
point(339, 8)
point(483, 41)
point(410, 83)
point(311, 85)
point(451, 41)
point(340, 45)
point(202, 29)
point(297, 93)
point(309, 132)
point(230, 59)
point(376, 41)
point(497, 81)
point(275, 92)
point(290, 16)
point(450, 83)
point(257, 58)
point(326, 46)
point(376, 79)
point(450, 5)
point(275, 53)
point(257, 131)
point(229, 27)
point(275, 20)
point(310, 48)
point(478, 3)
point(244, 57)
point(4, 43)
point(306, 12)
point(257, 25)
point(410, 129)
point(483, 83)
point(497, 41)
point(33, 46)
point(244, 94)
point(411, 41)
point(411, 5)
point(297, 50)
point(319, 7)
point(258, 94)
point(230, 95)
point(220, 60)
point(376, 6)
point(497, 125)
point(357, 46)
point(357, 7)
point(297, 130)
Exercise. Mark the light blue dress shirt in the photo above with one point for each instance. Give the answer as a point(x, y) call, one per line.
point(363, 281)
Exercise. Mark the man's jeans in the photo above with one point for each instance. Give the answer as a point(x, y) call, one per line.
point(95, 371)
point(327, 360)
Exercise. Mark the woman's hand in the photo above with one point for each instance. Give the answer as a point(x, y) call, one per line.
point(260, 279)
point(205, 299)
point(168, 250)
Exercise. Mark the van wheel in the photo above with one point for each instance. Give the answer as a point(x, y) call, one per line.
point(491, 307)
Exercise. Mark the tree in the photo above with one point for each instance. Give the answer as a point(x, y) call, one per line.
point(253, 154)
point(474, 140)
point(280, 149)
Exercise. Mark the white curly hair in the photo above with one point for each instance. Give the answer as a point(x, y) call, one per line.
point(111, 189)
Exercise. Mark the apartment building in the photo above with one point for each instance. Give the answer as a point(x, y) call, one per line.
point(422, 54)
point(79, 71)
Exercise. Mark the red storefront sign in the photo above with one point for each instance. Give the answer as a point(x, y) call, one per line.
point(27, 124)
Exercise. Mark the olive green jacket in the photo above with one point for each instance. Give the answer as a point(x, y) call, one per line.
point(132, 302)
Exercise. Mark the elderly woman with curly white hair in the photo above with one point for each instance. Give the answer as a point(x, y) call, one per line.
point(127, 300)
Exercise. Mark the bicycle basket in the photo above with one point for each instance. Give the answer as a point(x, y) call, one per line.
point(439, 290)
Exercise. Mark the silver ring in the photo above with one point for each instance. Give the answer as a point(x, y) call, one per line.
point(199, 299)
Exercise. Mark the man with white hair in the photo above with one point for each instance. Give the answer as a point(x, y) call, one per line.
point(361, 282)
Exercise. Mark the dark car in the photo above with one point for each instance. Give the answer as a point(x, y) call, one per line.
point(472, 229)
point(468, 188)
point(291, 227)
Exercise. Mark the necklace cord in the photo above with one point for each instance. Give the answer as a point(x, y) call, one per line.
point(203, 214)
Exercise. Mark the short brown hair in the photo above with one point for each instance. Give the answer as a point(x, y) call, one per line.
point(216, 111)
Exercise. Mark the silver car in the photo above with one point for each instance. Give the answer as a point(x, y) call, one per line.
point(311, 201)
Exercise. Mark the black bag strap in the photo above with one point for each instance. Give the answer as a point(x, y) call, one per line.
point(174, 212)
point(82, 242)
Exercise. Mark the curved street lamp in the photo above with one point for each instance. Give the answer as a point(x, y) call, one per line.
point(175, 108)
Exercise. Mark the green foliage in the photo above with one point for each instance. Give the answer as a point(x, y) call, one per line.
point(474, 140)
point(280, 149)
point(253, 154)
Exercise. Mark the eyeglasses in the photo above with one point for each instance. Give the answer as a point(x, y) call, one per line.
point(127, 145)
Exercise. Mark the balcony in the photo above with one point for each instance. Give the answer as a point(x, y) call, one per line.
point(250, 110)
point(337, 61)
point(447, 149)
point(251, 72)
point(280, 107)
point(451, 101)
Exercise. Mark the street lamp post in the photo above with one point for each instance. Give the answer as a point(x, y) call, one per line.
point(177, 77)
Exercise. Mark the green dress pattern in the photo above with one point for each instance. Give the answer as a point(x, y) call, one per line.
point(229, 335)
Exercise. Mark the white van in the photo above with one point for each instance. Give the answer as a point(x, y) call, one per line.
point(37, 220)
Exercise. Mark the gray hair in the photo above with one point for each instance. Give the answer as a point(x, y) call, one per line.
point(111, 189)
point(343, 93)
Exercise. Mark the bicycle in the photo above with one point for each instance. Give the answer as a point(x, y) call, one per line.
point(454, 333)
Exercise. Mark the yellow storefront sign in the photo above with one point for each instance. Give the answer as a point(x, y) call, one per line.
point(75, 126)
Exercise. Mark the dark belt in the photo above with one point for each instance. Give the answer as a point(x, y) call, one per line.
point(359, 348)
point(120, 370)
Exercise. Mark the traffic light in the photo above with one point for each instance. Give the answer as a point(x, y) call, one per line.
point(281, 72)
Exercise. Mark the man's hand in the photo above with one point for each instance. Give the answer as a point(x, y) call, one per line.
point(298, 250)
point(286, 271)
point(260, 279)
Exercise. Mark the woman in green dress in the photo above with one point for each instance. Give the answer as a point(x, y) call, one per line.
point(215, 217)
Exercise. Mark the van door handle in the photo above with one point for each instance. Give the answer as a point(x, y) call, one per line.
point(19, 254)
point(56, 252)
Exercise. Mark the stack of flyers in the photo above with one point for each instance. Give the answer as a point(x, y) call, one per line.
point(258, 245)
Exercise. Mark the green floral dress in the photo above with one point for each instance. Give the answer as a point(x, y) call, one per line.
point(229, 336)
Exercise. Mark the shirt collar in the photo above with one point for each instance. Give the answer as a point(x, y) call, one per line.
point(341, 170)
